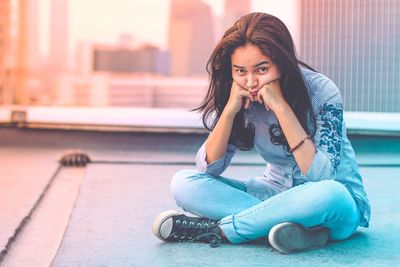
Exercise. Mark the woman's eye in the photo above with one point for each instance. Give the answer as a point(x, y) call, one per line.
point(240, 71)
point(262, 70)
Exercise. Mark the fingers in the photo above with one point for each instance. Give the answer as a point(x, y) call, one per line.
point(261, 100)
point(244, 93)
point(259, 96)
point(247, 103)
point(247, 97)
point(250, 96)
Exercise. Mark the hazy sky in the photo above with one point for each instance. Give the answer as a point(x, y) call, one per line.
point(146, 20)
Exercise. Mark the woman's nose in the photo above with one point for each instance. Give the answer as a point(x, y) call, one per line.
point(251, 82)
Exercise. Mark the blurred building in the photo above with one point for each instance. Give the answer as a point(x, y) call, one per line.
point(124, 75)
point(356, 44)
point(58, 47)
point(123, 58)
point(13, 51)
point(104, 90)
point(157, 92)
point(191, 37)
point(233, 10)
point(21, 52)
point(145, 59)
point(33, 57)
point(5, 14)
point(58, 65)
point(34, 85)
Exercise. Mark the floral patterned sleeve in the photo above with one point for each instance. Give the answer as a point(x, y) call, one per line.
point(328, 109)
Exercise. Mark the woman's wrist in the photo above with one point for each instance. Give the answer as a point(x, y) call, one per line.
point(228, 113)
point(281, 108)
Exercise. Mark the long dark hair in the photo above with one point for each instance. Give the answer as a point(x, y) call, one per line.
point(272, 37)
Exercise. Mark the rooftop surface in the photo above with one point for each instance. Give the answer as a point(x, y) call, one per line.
point(101, 214)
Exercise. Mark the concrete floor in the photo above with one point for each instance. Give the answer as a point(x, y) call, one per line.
point(101, 215)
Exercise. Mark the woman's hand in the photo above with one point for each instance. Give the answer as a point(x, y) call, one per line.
point(237, 98)
point(271, 95)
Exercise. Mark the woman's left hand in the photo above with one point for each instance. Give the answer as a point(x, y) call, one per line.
point(271, 95)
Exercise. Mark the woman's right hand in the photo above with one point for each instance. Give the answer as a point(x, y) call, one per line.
point(237, 98)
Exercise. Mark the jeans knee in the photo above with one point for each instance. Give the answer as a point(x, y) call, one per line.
point(336, 194)
point(332, 188)
point(179, 182)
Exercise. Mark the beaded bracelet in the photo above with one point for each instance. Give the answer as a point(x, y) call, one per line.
point(299, 144)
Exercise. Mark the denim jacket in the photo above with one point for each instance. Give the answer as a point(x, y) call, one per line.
point(334, 159)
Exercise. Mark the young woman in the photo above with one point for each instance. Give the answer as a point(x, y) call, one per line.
point(260, 95)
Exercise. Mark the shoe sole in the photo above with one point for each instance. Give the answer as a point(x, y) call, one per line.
point(308, 244)
point(272, 233)
point(160, 219)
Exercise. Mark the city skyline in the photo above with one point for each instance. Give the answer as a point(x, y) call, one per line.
point(364, 65)
point(100, 26)
point(60, 76)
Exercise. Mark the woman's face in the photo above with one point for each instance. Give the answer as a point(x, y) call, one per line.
point(251, 69)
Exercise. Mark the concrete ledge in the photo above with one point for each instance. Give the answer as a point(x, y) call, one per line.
point(105, 119)
point(373, 123)
point(161, 119)
point(5, 114)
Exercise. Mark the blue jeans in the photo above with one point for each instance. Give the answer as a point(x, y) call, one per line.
point(248, 209)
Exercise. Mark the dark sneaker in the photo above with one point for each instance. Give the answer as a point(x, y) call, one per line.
point(290, 237)
point(177, 227)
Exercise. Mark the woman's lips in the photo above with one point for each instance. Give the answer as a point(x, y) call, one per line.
point(254, 93)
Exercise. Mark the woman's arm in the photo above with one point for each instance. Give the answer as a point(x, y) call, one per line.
point(273, 99)
point(217, 142)
point(318, 159)
point(295, 134)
